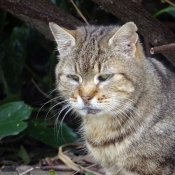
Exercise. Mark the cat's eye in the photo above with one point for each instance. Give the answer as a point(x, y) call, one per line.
point(104, 77)
point(74, 77)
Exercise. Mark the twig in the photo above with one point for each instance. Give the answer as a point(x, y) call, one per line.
point(27, 171)
point(56, 167)
point(39, 89)
point(159, 49)
point(69, 162)
point(79, 12)
point(169, 2)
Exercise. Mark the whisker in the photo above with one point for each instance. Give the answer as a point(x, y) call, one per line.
point(56, 121)
point(61, 123)
point(52, 91)
point(45, 104)
point(54, 106)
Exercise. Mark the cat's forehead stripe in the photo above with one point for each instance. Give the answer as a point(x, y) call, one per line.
point(95, 33)
point(88, 53)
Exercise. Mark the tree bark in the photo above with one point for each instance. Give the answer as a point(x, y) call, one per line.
point(153, 30)
point(39, 13)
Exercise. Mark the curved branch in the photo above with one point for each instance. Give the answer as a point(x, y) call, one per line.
point(39, 13)
point(24, 10)
point(152, 29)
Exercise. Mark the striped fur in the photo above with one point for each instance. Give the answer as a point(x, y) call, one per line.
point(128, 118)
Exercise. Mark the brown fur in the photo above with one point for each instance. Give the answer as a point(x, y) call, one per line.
point(129, 118)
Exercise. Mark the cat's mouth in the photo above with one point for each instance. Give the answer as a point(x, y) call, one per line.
point(92, 111)
point(88, 110)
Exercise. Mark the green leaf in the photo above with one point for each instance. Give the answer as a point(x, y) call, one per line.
point(11, 118)
point(22, 153)
point(46, 134)
point(170, 10)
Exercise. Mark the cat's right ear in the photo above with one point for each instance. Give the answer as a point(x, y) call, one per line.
point(64, 38)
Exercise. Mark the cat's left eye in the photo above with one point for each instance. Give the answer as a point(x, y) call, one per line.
point(104, 77)
point(74, 77)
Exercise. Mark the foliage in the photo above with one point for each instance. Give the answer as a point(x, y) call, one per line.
point(170, 10)
point(22, 153)
point(12, 116)
point(39, 130)
point(27, 62)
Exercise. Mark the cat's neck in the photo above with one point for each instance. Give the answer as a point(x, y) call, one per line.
point(104, 129)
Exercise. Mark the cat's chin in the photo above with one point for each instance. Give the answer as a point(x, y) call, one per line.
point(89, 111)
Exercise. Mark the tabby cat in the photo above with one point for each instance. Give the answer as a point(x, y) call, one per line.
point(126, 101)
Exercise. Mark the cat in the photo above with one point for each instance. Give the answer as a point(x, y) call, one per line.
point(126, 101)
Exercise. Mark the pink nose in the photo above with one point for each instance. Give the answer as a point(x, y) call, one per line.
point(86, 98)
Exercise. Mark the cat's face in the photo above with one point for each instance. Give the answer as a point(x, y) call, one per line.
point(95, 74)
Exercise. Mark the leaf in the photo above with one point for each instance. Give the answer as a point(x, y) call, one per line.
point(46, 134)
point(11, 118)
point(170, 10)
point(22, 153)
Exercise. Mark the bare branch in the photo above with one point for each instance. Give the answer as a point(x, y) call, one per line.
point(169, 2)
point(155, 32)
point(79, 12)
point(39, 13)
point(39, 89)
point(159, 49)
point(25, 10)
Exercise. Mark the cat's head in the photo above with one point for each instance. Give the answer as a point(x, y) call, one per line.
point(100, 68)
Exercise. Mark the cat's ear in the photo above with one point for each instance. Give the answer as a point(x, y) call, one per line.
point(125, 39)
point(63, 37)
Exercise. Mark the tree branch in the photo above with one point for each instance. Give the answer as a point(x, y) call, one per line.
point(128, 10)
point(159, 49)
point(39, 13)
point(25, 10)
point(79, 12)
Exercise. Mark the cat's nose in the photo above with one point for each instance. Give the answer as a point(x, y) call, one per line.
point(86, 98)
